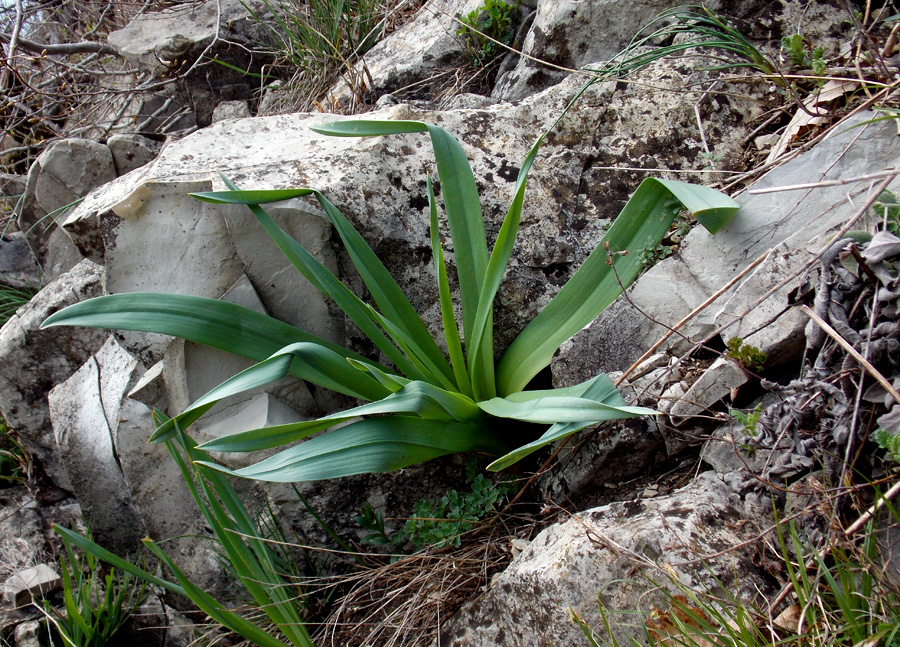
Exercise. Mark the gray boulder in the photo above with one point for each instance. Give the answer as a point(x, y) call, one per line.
point(169, 42)
point(33, 361)
point(768, 221)
point(620, 554)
point(61, 175)
point(131, 151)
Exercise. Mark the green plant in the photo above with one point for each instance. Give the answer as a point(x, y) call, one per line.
point(680, 228)
point(442, 522)
point(373, 520)
point(803, 54)
point(889, 442)
point(887, 207)
point(254, 561)
point(688, 27)
point(488, 29)
point(94, 611)
point(322, 39)
point(437, 406)
point(12, 457)
point(747, 420)
point(11, 299)
point(750, 357)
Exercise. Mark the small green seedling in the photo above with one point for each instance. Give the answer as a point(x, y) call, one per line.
point(747, 420)
point(750, 357)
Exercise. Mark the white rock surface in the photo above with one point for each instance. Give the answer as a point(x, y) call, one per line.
point(85, 414)
point(611, 552)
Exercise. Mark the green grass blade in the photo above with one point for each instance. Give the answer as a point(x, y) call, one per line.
point(214, 609)
point(370, 446)
point(448, 318)
point(481, 352)
point(325, 282)
point(90, 547)
point(391, 300)
point(641, 225)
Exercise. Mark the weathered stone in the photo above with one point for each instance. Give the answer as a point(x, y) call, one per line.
point(33, 361)
point(21, 534)
point(18, 267)
point(706, 263)
point(171, 41)
point(28, 634)
point(231, 110)
point(604, 552)
point(132, 151)
point(564, 34)
point(34, 582)
point(61, 175)
point(716, 382)
point(414, 53)
point(617, 452)
point(85, 414)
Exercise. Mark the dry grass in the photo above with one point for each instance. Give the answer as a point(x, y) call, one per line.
point(405, 602)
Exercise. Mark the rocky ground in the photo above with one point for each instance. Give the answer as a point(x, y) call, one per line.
point(796, 417)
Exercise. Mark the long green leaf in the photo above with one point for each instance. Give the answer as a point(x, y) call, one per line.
point(214, 609)
point(250, 557)
point(371, 446)
point(419, 398)
point(211, 322)
point(641, 225)
point(393, 303)
point(554, 409)
point(600, 389)
point(89, 547)
point(461, 203)
point(320, 365)
point(482, 331)
point(384, 290)
point(448, 318)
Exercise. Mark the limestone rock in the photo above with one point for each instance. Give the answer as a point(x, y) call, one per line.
point(132, 151)
point(617, 452)
point(61, 175)
point(31, 583)
point(28, 634)
point(606, 551)
point(85, 414)
point(18, 267)
point(414, 53)
point(33, 361)
point(231, 110)
point(170, 42)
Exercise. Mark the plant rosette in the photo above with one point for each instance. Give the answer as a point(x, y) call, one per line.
point(424, 404)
